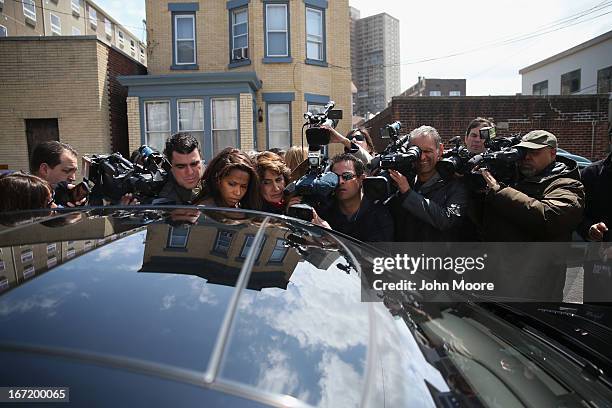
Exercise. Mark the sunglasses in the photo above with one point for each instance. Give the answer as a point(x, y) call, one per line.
point(357, 136)
point(347, 175)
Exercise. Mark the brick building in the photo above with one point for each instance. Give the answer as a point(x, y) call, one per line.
point(240, 72)
point(581, 122)
point(61, 88)
point(68, 17)
point(436, 87)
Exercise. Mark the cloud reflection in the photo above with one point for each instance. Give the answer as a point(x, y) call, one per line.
point(47, 300)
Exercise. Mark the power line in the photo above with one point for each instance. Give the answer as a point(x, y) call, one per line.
point(568, 23)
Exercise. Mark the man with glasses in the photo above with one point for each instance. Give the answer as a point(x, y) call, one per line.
point(350, 212)
point(185, 179)
point(429, 208)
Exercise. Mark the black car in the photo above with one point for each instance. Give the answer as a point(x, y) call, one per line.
point(211, 307)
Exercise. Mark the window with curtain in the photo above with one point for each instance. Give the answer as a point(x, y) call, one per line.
point(178, 237)
point(277, 33)
point(279, 251)
point(246, 247)
point(223, 242)
point(224, 121)
point(184, 39)
point(314, 34)
point(191, 118)
point(157, 121)
point(279, 131)
point(29, 9)
point(56, 24)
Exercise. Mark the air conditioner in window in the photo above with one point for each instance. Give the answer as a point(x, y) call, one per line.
point(240, 53)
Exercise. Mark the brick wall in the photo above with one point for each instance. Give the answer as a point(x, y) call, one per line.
point(55, 77)
point(119, 64)
point(580, 122)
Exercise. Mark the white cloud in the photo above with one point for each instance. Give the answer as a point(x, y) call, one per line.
point(340, 383)
point(47, 300)
point(314, 309)
point(168, 301)
point(276, 376)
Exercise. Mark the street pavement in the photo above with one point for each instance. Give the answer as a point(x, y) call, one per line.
point(574, 280)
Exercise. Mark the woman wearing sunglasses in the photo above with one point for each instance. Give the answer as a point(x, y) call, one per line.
point(357, 142)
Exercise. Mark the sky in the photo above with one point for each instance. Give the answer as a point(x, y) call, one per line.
point(484, 41)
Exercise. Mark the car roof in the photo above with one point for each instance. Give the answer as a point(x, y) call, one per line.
point(181, 293)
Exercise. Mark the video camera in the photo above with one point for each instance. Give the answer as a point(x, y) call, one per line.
point(396, 156)
point(113, 176)
point(317, 184)
point(455, 160)
point(500, 158)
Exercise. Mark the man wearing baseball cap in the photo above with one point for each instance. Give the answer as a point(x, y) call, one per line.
point(545, 205)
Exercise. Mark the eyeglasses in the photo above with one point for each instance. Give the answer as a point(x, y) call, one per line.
point(347, 175)
point(357, 136)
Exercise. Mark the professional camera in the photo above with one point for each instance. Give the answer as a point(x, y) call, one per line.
point(500, 158)
point(113, 176)
point(317, 184)
point(455, 160)
point(396, 156)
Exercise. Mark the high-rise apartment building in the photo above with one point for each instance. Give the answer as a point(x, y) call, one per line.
point(375, 59)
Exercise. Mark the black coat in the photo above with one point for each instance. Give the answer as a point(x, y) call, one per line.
point(597, 181)
point(434, 212)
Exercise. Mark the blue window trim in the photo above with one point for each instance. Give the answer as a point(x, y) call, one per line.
point(184, 7)
point(322, 4)
point(278, 97)
point(316, 99)
point(272, 59)
point(174, 65)
point(313, 5)
point(233, 6)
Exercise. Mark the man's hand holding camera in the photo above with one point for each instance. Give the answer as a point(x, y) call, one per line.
point(401, 181)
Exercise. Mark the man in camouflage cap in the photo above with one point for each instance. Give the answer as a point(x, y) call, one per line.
point(545, 205)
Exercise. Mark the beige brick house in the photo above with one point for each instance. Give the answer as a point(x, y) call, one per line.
point(61, 88)
point(241, 72)
point(68, 17)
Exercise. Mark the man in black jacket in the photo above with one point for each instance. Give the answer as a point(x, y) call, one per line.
point(597, 180)
point(428, 208)
point(350, 212)
point(185, 178)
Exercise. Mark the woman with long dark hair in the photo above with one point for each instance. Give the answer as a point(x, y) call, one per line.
point(20, 191)
point(230, 180)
